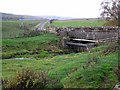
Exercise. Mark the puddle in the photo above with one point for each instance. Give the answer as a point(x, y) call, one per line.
point(22, 58)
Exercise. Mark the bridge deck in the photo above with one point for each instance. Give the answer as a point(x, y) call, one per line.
point(86, 40)
point(77, 44)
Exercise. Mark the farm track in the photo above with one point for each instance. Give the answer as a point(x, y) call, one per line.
point(40, 26)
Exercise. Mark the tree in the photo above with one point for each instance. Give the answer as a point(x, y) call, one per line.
point(111, 11)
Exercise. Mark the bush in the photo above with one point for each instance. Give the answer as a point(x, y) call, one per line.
point(28, 79)
point(43, 54)
point(112, 47)
point(31, 33)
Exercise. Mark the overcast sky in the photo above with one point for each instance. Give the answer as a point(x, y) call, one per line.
point(67, 8)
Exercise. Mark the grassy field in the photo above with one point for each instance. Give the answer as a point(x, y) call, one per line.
point(62, 23)
point(14, 28)
point(81, 70)
point(30, 47)
point(91, 69)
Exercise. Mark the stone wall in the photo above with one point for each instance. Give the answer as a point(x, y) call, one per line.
point(85, 32)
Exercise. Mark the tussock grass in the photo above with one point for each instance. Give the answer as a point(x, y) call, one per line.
point(29, 79)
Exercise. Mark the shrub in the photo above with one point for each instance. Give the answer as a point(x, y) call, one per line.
point(28, 79)
point(43, 54)
point(91, 60)
point(31, 33)
point(112, 47)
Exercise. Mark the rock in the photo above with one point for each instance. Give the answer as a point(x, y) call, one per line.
point(117, 87)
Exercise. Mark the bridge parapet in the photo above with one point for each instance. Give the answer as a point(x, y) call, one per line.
point(88, 29)
point(84, 32)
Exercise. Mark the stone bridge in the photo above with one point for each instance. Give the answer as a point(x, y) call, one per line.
point(86, 36)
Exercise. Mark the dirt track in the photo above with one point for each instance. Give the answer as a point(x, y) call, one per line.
point(40, 26)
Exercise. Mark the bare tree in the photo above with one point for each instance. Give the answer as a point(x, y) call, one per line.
point(110, 11)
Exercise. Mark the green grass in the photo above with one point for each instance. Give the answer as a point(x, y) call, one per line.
point(11, 28)
point(93, 75)
point(62, 23)
point(30, 47)
point(72, 69)
point(76, 70)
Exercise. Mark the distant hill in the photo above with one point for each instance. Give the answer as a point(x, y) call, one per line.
point(7, 16)
point(56, 17)
point(86, 18)
point(68, 18)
